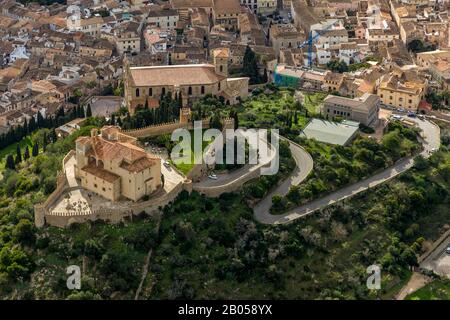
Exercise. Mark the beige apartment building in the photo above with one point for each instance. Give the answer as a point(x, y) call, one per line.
point(400, 93)
point(285, 36)
point(363, 109)
point(192, 81)
point(226, 13)
point(111, 165)
point(267, 6)
point(127, 38)
point(164, 19)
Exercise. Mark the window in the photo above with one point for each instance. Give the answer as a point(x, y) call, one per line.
point(163, 91)
point(202, 89)
point(410, 101)
point(218, 86)
point(190, 91)
point(95, 185)
point(137, 92)
point(221, 68)
point(150, 92)
point(103, 189)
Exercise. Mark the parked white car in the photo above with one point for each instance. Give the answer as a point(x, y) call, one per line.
point(213, 176)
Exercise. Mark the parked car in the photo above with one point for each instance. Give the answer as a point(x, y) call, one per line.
point(213, 176)
point(412, 114)
point(166, 164)
point(447, 250)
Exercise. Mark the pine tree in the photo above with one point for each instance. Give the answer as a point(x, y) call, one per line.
point(26, 154)
point(10, 162)
point(88, 111)
point(18, 154)
point(35, 150)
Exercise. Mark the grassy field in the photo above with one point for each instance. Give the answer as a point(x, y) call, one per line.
point(313, 100)
point(436, 290)
point(260, 110)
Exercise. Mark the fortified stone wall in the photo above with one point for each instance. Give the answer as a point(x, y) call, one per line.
point(152, 206)
point(155, 130)
point(40, 210)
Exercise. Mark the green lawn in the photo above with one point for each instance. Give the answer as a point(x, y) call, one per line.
point(186, 167)
point(436, 290)
point(11, 149)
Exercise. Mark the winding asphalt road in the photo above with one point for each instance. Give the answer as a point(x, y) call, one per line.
point(431, 140)
point(237, 177)
point(304, 166)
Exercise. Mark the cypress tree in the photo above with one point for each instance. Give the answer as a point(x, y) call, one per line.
point(250, 68)
point(53, 137)
point(265, 76)
point(10, 162)
point(26, 154)
point(40, 120)
point(44, 141)
point(35, 150)
point(180, 100)
point(25, 127)
point(88, 111)
point(18, 154)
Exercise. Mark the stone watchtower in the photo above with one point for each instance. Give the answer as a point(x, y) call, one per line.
point(185, 115)
point(221, 57)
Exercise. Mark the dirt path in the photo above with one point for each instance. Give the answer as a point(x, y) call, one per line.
point(416, 282)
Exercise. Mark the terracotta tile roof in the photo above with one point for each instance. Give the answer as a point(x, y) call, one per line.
point(138, 165)
point(100, 173)
point(194, 74)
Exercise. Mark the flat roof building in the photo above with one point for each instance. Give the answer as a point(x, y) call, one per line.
point(363, 109)
point(331, 132)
